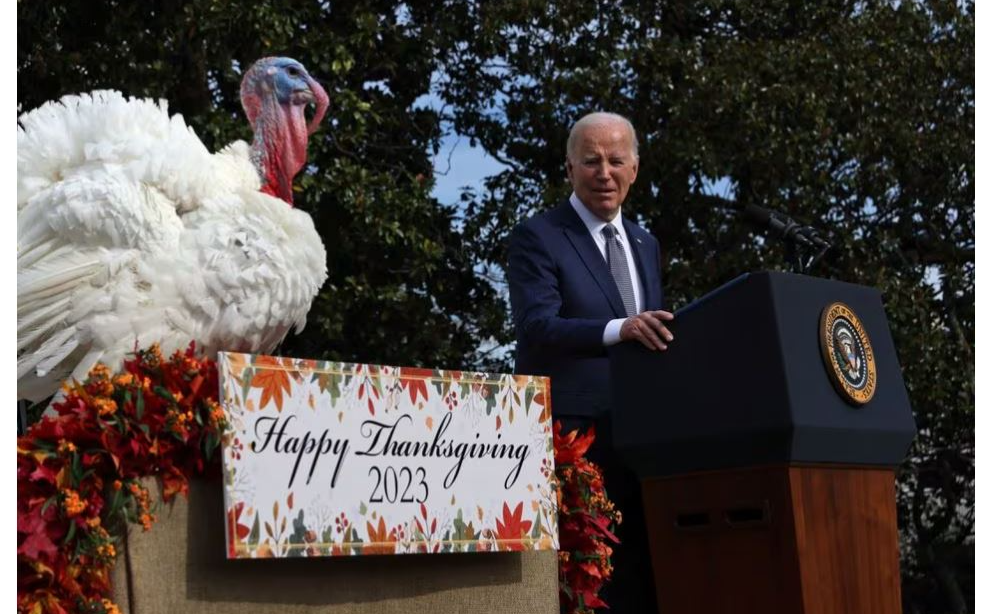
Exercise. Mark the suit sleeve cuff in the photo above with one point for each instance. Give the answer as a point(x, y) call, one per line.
point(611, 334)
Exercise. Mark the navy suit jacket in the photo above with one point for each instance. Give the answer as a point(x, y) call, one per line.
point(562, 297)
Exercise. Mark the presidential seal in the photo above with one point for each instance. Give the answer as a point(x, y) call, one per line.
point(847, 354)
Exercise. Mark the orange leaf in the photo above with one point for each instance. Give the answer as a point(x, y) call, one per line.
point(511, 528)
point(272, 380)
point(381, 539)
point(236, 363)
point(546, 414)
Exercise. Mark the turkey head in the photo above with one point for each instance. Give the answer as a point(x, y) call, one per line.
point(275, 93)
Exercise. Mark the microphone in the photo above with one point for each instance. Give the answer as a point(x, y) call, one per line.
point(805, 245)
point(785, 227)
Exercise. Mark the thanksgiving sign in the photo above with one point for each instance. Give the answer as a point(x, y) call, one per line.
point(336, 459)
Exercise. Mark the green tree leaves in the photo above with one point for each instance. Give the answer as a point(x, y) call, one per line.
point(854, 116)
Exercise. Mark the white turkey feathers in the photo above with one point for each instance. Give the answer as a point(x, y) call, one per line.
point(131, 232)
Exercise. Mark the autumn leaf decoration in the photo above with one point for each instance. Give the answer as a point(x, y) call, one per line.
point(369, 387)
point(80, 472)
point(413, 381)
point(586, 522)
point(381, 540)
point(236, 531)
point(273, 378)
point(511, 529)
point(540, 399)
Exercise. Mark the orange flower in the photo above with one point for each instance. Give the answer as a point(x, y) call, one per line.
point(105, 407)
point(123, 380)
point(99, 372)
point(153, 357)
point(75, 568)
point(72, 503)
point(147, 520)
point(100, 388)
point(216, 416)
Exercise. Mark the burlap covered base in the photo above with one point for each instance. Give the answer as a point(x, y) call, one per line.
point(179, 566)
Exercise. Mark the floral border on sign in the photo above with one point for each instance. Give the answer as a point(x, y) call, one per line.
point(287, 530)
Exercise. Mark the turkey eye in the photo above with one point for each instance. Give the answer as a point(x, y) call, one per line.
point(293, 71)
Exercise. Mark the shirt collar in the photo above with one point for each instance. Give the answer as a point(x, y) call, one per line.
point(596, 224)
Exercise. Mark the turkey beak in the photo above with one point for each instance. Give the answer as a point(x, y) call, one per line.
point(303, 96)
point(321, 100)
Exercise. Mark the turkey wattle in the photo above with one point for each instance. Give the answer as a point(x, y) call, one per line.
point(130, 232)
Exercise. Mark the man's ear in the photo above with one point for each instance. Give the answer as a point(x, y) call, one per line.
point(568, 169)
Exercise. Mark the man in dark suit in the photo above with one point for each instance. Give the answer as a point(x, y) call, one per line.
point(583, 278)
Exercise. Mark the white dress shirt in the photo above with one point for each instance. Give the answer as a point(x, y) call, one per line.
point(595, 225)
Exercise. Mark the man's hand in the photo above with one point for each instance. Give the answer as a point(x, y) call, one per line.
point(648, 328)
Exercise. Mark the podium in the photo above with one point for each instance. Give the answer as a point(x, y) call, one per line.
point(765, 488)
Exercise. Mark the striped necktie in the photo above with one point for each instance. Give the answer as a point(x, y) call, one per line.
point(616, 257)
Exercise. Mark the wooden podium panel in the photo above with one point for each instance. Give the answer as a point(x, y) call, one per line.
point(846, 537)
point(780, 539)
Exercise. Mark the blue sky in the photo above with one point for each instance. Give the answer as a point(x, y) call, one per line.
point(458, 165)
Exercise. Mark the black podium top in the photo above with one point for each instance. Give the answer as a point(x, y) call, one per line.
point(744, 383)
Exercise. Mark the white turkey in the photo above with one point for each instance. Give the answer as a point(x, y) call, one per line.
point(130, 232)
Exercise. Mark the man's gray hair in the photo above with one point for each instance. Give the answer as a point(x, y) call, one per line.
point(596, 119)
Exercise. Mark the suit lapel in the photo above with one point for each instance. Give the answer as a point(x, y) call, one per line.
point(585, 246)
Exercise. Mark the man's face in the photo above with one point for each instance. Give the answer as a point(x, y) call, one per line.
point(602, 168)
